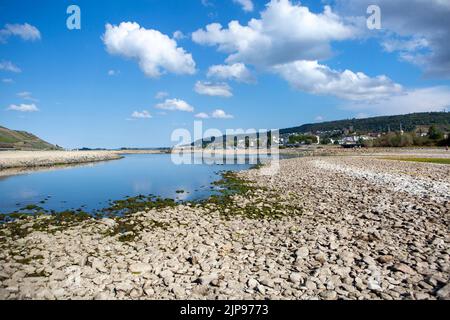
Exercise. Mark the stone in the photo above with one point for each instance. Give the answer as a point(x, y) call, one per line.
point(102, 296)
point(166, 274)
point(444, 292)
point(140, 268)
point(99, 265)
point(328, 295)
point(149, 291)
point(267, 282)
point(207, 279)
point(404, 268)
point(252, 283)
point(310, 285)
point(373, 285)
point(295, 277)
point(110, 223)
point(58, 275)
point(178, 291)
point(385, 259)
point(303, 252)
point(347, 257)
point(124, 286)
point(261, 289)
point(58, 293)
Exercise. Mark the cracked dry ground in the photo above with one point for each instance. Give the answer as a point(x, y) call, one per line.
point(329, 228)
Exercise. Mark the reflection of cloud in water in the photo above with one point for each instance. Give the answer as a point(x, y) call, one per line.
point(144, 186)
point(182, 196)
point(27, 194)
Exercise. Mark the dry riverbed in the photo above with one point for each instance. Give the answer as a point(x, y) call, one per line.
point(322, 228)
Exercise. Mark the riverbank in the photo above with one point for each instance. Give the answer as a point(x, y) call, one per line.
point(35, 159)
point(322, 228)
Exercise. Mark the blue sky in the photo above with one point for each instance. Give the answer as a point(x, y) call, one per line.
point(97, 88)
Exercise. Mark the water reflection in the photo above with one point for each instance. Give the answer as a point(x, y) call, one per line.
point(93, 186)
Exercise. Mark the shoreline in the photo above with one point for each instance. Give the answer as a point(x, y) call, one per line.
point(18, 162)
point(347, 228)
point(37, 159)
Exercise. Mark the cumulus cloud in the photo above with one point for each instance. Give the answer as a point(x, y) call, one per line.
point(284, 33)
point(202, 115)
point(237, 71)
point(23, 107)
point(417, 29)
point(220, 114)
point(247, 5)
point(154, 51)
point(9, 66)
point(144, 114)
point(161, 95)
point(178, 35)
point(312, 77)
point(213, 89)
point(414, 100)
point(175, 105)
point(25, 31)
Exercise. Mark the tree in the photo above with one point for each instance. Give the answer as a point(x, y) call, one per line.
point(435, 134)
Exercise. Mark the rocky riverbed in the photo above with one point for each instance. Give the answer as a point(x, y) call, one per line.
point(322, 228)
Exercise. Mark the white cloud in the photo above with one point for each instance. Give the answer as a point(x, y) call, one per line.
point(161, 95)
point(23, 107)
point(26, 95)
point(9, 66)
point(220, 114)
point(178, 35)
point(361, 115)
point(202, 115)
point(155, 52)
point(417, 29)
point(207, 3)
point(237, 71)
point(25, 31)
point(247, 5)
point(112, 73)
point(319, 118)
point(213, 89)
point(312, 77)
point(175, 105)
point(7, 80)
point(414, 100)
point(284, 33)
point(144, 114)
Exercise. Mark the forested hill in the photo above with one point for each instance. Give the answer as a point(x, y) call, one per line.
point(408, 122)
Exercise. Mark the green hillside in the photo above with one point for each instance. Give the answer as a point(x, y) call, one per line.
point(22, 140)
point(409, 122)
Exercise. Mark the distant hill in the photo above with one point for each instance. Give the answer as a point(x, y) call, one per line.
point(22, 140)
point(409, 122)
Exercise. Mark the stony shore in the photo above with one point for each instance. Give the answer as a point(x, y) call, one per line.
point(31, 159)
point(322, 228)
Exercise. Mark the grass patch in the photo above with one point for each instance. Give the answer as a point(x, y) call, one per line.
point(425, 160)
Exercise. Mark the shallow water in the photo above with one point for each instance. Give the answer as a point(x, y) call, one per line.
point(92, 186)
